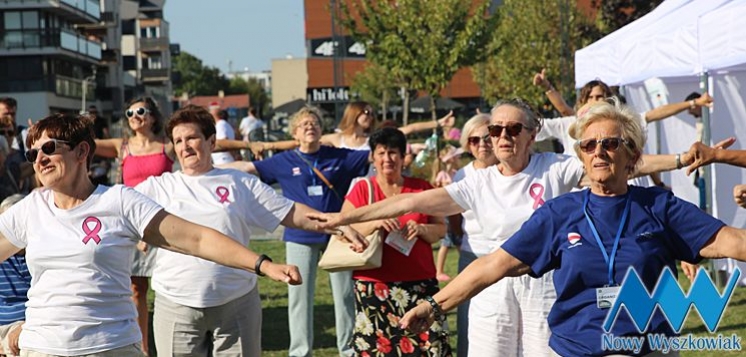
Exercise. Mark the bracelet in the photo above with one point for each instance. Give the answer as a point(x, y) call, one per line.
point(437, 310)
point(551, 88)
point(692, 104)
point(259, 262)
point(678, 162)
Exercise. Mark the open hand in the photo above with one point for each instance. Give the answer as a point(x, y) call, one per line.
point(413, 230)
point(349, 235)
point(700, 154)
point(326, 220)
point(419, 319)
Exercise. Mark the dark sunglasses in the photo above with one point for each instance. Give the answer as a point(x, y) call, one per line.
point(47, 148)
point(589, 146)
point(474, 140)
point(512, 129)
point(139, 111)
point(6, 132)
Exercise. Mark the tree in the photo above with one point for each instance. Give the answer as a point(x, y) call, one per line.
point(374, 85)
point(254, 88)
point(420, 43)
point(197, 79)
point(615, 14)
point(532, 35)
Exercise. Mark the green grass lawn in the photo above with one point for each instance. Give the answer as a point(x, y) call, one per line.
point(275, 336)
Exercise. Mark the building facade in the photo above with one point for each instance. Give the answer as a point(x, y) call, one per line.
point(45, 59)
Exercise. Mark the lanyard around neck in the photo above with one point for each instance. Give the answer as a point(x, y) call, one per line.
point(609, 259)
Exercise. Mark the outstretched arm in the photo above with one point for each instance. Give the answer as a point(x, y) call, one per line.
point(108, 148)
point(667, 110)
point(435, 202)
point(245, 166)
point(447, 121)
point(702, 155)
point(298, 218)
point(173, 233)
point(480, 274)
point(728, 242)
point(552, 94)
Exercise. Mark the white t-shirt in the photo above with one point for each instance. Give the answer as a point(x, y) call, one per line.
point(473, 239)
point(559, 128)
point(223, 130)
point(79, 302)
point(249, 124)
point(502, 203)
point(228, 201)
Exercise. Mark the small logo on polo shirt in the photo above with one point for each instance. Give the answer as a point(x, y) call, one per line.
point(296, 171)
point(574, 239)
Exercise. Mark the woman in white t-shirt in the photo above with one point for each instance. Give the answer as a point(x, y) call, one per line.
point(79, 240)
point(508, 318)
point(216, 306)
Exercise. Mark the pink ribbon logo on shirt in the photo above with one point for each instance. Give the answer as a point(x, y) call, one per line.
point(536, 191)
point(91, 233)
point(222, 192)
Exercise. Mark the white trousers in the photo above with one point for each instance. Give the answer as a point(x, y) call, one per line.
point(509, 318)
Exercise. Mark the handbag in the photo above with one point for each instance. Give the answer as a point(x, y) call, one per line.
point(339, 257)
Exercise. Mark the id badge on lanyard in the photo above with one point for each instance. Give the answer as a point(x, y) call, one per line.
point(607, 295)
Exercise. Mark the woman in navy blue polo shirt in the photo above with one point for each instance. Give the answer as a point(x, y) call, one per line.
point(592, 238)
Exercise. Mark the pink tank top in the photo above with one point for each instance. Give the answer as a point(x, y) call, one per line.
point(137, 168)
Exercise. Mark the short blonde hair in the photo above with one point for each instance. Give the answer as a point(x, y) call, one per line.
point(302, 113)
point(472, 124)
point(530, 115)
point(627, 119)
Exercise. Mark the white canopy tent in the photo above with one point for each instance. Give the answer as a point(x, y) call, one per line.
point(681, 47)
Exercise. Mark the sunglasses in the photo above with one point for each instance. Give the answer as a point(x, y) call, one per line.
point(589, 146)
point(512, 129)
point(7, 132)
point(139, 111)
point(48, 148)
point(474, 140)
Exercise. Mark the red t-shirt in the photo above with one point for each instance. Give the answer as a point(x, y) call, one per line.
point(396, 266)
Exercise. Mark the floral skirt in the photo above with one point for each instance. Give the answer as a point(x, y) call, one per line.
point(379, 306)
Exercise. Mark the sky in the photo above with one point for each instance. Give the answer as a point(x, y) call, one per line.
point(250, 33)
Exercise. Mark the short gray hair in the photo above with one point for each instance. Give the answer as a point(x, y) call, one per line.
point(532, 118)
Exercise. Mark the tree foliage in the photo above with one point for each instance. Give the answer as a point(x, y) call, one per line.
point(375, 86)
point(196, 78)
point(615, 14)
point(421, 43)
point(532, 35)
point(254, 88)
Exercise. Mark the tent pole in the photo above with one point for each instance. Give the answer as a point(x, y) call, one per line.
point(705, 179)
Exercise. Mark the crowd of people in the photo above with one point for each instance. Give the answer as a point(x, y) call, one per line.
point(528, 228)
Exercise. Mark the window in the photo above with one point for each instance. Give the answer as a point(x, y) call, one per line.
point(12, 20)
point(154, 62)
point(30, 20)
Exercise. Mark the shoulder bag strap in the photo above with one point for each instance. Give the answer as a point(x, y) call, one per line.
point(319, 174)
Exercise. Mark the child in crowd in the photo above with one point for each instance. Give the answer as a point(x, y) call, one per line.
point(443, 170)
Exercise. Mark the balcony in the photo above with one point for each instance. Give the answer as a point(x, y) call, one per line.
point(78, 10)
point(76, 43)
point(89, 7)
point(73, 87)
point(155, 75)
point(44, 42)
point(157, 44)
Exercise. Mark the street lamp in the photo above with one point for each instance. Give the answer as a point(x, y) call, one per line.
point(90, 78)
